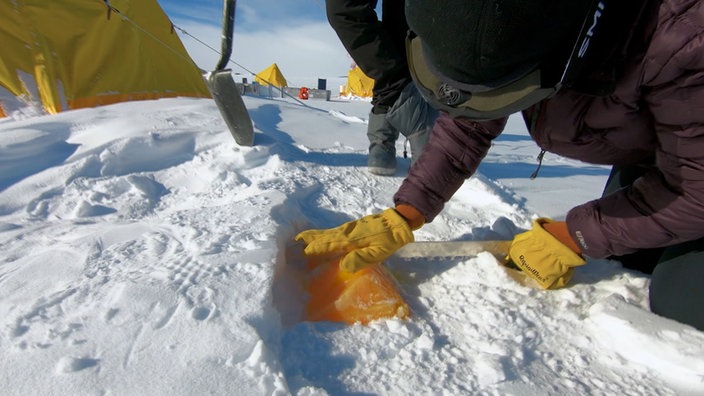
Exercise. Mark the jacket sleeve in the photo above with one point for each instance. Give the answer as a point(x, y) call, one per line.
point(452, 154)
point(665, 206)
point(376, 46)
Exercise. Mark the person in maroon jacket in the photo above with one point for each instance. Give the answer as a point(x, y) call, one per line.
point(617, 82)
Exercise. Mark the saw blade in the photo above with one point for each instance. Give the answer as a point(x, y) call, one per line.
point(453, 249)
point(467, 249)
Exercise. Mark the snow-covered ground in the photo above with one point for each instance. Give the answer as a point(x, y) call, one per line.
point(145, 253)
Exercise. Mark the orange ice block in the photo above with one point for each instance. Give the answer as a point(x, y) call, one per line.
point(339, 296)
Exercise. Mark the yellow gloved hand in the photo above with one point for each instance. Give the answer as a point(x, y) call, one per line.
point(369, 240)
point(543, 257)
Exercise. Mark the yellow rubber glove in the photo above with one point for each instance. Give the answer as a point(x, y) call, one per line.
point(369, 240)
point(543, 257)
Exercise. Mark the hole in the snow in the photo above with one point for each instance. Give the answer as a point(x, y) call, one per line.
point(289, 291)
point(200, 313)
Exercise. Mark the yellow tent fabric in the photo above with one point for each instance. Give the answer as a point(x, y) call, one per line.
point(79, 53)
point(271, 76)
point(358, 84)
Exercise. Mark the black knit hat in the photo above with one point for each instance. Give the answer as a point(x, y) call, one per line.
point(490, 41)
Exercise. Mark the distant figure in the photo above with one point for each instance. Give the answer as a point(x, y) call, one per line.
point(609, 82)
point(377, 46)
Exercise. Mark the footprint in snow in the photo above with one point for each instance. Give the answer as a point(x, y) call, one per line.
point(72, 364)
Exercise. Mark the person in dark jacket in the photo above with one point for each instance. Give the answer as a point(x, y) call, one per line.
point(609, 82)
point(377, 47)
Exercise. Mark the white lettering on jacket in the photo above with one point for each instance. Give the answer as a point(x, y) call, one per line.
point(590, 33)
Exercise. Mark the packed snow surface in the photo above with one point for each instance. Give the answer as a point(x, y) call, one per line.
point(144, 252)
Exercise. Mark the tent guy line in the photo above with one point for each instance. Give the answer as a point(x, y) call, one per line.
point(173, 25)
point(182, 30)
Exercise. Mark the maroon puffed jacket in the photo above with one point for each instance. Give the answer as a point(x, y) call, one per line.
point(656, 111)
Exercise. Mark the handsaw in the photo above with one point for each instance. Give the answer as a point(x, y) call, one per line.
point(372, 292)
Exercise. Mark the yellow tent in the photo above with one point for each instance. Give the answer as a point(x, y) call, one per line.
point(271, 76)
point(84, 53)
point(358, 84)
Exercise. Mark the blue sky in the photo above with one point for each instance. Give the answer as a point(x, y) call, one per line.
point(249, 13)
point(294, 34)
